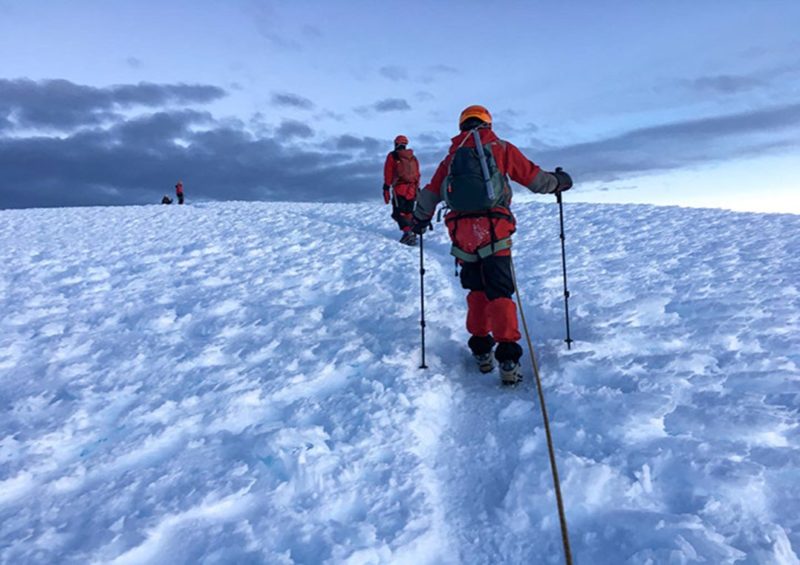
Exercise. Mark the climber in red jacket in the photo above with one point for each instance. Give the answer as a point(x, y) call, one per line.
point(474, 184)
point(400, 185)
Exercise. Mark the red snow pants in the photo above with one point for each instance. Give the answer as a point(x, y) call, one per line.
point(490, 308)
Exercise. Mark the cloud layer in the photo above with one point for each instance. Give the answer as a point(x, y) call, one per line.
point(290, 100)
point(103, 158)
point(62, 104)
point(67, 144)
point(680, 144)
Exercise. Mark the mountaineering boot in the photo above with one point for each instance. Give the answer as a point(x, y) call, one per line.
point(508, 354)
point(510, 373)
point(485, 362)
point(409, 238)
point(481, 347)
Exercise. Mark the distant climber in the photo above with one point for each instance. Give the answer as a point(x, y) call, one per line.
point(179, 191)
point(400, 185)
point(166, 200)
point(474, 184)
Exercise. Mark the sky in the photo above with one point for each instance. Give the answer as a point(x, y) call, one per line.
point(677, 103)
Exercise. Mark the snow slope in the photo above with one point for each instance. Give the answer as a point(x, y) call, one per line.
point(238, 383)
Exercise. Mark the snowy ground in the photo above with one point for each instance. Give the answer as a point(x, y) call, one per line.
point(238, 383)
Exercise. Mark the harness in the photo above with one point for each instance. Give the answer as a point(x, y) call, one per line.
point(495, 246)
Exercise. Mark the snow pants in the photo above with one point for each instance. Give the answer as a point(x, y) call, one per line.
point(401, 211)
point(491, 311)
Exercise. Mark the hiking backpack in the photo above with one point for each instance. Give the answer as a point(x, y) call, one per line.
point(406, 169)
point(474, 183)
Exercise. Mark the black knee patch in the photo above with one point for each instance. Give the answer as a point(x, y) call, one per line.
point(401, 210)
point(497, 277)
point(471, 277)
point(508, 351)
point(403, 205)
point(480, 345)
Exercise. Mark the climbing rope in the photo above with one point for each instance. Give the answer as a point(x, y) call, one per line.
point(562, 516)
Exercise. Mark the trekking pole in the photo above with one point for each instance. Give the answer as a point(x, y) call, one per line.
point(422, 364)
point(569, 340)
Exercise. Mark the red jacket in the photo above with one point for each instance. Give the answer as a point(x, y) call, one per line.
point(405, 188)
point(468, 232)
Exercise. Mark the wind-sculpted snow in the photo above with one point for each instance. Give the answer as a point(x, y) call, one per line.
point(238, 383)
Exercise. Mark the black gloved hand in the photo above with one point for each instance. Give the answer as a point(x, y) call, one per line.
point(419, 226)
point(564, 180)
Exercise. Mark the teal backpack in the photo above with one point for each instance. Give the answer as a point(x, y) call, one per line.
point(474, 183)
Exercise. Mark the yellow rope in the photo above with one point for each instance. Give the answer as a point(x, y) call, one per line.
point(556, 483)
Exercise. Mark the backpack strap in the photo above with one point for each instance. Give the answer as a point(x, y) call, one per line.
point(492, 214)
point(396, 158)
point(487, 179)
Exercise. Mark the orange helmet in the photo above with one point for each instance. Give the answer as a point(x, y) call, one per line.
point(401, 140)
point(475, 112)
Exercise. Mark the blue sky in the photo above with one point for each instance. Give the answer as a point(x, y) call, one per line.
point(689, 103)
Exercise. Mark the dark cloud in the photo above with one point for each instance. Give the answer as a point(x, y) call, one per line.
point(153, 129)
point(153, 95)
point(727, 84)
point(435, 139)
point(511, 126)
point(386, 105)
point(679, 144)
point(394, 72)
point(290, 100)
point(135, 160)
point(351, 142)
point(391, 105)
point(293, 128)
point(61, 104)
point(330, 115)
point(131, 160)
point(432, 73)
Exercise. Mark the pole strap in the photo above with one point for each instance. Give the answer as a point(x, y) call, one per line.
point(562, 516)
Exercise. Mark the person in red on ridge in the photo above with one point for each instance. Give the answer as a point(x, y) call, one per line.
point(400, 185)
point(474, 184)
point(179, 191)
